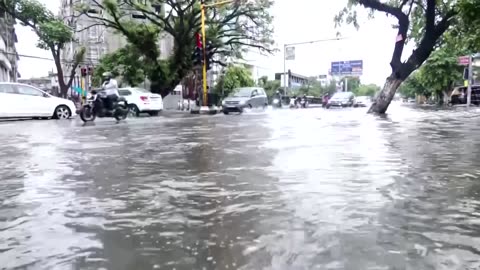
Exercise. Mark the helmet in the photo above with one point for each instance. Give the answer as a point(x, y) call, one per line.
point(107, 75)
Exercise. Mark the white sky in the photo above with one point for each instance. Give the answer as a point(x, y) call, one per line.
point(295, 21)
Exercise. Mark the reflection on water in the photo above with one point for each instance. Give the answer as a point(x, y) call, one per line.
point(286, 189)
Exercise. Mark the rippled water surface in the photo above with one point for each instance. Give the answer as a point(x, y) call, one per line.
point(287, 189)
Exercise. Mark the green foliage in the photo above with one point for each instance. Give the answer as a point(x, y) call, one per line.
point(125, 62)
point(270, 86)
point(52, 33)
point(412, 86)
point(234, 77)
point(467, 28)
point(352, 84)
point(366, 90)
point(440, 71)
point(227, 28)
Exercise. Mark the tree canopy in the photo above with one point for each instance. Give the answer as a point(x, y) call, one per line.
point(234, 77)
point(125, 62)
point(52, 34)
point(423, 22)
point(231, 28)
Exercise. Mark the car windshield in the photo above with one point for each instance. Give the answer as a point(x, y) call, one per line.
point(242, 92)
point(342, 95)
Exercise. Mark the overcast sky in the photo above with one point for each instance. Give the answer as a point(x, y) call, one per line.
point(295, 21)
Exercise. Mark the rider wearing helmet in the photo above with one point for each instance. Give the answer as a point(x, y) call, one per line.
point(110, 88)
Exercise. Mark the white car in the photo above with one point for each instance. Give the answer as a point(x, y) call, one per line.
point(142, 101)
point(24, 101)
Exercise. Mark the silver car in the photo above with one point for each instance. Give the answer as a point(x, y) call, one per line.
point(246, 97)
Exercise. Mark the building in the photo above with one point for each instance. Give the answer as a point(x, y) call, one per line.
point(43, 83)
point(293, 80)
point(8, 53)
point(99, 40)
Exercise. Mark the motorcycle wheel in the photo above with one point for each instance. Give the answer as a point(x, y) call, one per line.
point(87, 114)
point(121, 112)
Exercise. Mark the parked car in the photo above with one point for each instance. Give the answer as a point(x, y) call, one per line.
point(459, 95)
point(24, 101)
point(341, 99)
point(142, 101)
point(362, 101)
point(247, 97)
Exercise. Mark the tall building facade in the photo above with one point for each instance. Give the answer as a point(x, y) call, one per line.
point(99, 40)
point(8, 53)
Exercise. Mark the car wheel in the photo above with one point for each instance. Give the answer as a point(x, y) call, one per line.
point(225, 112)
point(133, 110)
point(155, 113)
point(62, 112)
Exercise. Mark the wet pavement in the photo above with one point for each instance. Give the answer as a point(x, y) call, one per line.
point(284, 189)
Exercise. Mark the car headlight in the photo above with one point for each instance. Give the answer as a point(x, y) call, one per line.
point(242, 102)
point(223, 102)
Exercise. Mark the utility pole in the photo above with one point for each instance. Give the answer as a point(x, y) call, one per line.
point(470, 79)
point(299, 43)
point(204, 41)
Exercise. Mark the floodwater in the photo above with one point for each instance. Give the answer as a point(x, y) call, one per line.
point(282, 189)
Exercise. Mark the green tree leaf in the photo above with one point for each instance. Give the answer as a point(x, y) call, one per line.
point(234, 77)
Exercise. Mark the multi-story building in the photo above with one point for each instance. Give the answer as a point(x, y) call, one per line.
point(8, 53)
point(99, 40)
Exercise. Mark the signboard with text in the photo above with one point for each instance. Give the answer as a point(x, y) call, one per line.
point(290, 53)
point(464, 60)
point(347, 68)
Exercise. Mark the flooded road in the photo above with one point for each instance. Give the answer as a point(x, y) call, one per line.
point(287, 189)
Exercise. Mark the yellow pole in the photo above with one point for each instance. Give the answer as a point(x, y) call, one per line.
point(82, 85)
point(204, 66)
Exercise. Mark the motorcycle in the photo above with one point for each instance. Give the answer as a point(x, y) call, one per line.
point(294, 103)
point(95, 107)
point(303, 103)
point(276, 103)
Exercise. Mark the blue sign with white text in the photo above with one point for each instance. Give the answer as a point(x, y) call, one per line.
point(347, 68)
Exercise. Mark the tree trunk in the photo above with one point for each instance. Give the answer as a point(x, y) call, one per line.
point(385, 96)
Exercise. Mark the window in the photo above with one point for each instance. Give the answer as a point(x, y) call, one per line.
point(93, 53)
point(7, 88)
point(93, 32)
point(30, 91)
point(255, 92)
point(138, 16)
point(124, 92)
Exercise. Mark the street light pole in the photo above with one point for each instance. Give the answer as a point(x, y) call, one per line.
point(299, 43)
point(284, 70)
point(204, 65)
point(470, 77)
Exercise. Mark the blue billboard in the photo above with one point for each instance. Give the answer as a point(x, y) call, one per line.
point(347, 68)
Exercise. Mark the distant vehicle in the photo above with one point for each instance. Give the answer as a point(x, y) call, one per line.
point(24, 101)
point(276, 103)
point(246, 97)
point(142, 101)
point(459, 95)
point(362, 101)
point(341, 99)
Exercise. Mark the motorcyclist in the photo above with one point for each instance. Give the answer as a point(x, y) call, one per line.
point(278, 96)
point(110, 89)
point(305, 100)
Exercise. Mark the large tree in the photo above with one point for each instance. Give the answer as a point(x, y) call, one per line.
point(231, 28)
point(234, 77)
point(421, 21)
point(126, 62)
point(53, 34)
